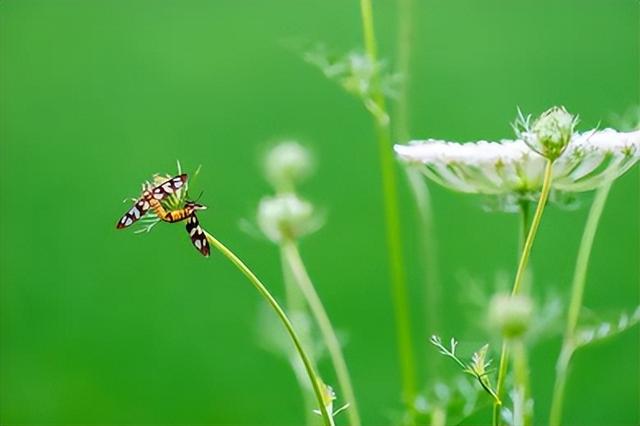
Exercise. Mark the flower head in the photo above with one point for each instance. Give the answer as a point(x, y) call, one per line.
point(511, 167)
point(286, 216)
point(510, 315)
point(287, 164)
point(549, 134)
point(359, 75)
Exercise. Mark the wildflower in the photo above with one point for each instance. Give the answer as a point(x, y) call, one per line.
point(477, 367)
point(287, 164)
point(550, 133)
point(510, 315)
point(356, 73)
point(286, 216)
point(511, 167)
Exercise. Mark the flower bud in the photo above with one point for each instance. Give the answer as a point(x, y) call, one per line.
point(510, 315)
point(551, 132)
point(286, 217)
point(287, 164)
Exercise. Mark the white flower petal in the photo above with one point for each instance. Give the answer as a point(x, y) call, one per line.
point(510, 166)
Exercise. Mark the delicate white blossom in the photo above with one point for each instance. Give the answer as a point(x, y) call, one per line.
point(511, 167)
point(510, 315)
point(286, 216)
point(287, 164)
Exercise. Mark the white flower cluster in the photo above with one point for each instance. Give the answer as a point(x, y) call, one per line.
point(286, 216)
point(287, 164)
point(510, 166)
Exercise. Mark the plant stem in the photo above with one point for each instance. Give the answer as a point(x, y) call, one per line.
point(295, 304)
point(535, 223)
point(502, 373)
point(439, 417)
point(522, 266)
point(521, 378)
point(524, 224)
point(403, 47)
point(429, 255)
point(392, 217)
point(301, 277)
point(575, 303)
point(293, 298)
point(316, 382)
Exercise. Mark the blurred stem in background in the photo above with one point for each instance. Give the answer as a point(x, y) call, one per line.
point(404, 44)
point(295, 265)
point(521, 383)
point(520, 358)
point(522, 266)
point(392, 219)
point(575, 303)
point(295, 304)
point(284, 219)
point(317, 384)
point(428, 259)
point(419, 187)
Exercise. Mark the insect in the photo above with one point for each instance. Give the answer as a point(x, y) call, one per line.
point(151, 200)
point(188, 213)
point(149, 196)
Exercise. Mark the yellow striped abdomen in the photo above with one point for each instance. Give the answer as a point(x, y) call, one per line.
point(168, 216)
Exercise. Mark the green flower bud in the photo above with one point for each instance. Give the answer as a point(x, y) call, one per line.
point(510, 315)
point(287, 164)
point(551, 132)
point(286, 216)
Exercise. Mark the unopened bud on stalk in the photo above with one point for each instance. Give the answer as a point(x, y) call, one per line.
point(286, 216)
point(287, 164)
point(510, 315)
point(550, 133)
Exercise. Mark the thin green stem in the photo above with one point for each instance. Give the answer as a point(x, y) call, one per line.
point(316, 382)
point(439, 417)
point(525, 217)
point(295, 304)
point(301, 277)
point(535, 223)
point(392, 216)
point(504, 352)
point(404, 46)
point(404, 43)
point(429, 257)
point(575, 303)
point(517, 284)
point(293, 298)
point(502, 374)
point(521, 378)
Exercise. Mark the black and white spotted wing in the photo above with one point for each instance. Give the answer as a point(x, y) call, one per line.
point(141, 206)
point(197, 235)
point(139, 209)
point(168, 187)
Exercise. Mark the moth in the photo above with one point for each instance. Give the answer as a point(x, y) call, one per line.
point(188, 213)
point(149, 197)
point(151, 200)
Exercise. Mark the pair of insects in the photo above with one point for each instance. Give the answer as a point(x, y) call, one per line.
point(151, 200)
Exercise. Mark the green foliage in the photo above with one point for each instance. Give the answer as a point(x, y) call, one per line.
point(355, 73)
point(477, 367)
point(590, 334)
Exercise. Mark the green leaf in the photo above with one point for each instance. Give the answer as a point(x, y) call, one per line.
point(593, 334)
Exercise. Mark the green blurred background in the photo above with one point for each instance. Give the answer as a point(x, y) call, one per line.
point(107, 327)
